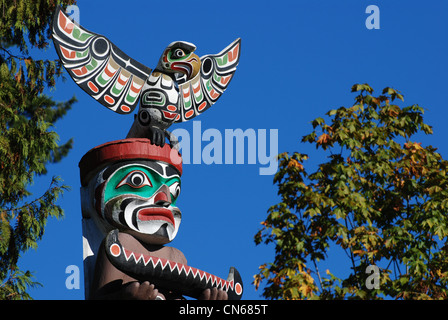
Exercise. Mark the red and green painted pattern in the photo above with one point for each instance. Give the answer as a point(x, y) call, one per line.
point(229, 57)
point(72, 54)
point(120, 85)
point(108, 75)
point(201, 92)
point(88, 68)
point(72, 30)
point(116, 81)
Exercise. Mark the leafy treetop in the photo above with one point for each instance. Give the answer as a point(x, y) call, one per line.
point(381, 197)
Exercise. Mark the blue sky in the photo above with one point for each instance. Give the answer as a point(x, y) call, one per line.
point(299, 59)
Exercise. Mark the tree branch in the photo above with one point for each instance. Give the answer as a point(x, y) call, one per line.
point(12, 55)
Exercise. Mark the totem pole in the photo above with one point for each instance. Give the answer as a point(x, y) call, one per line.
point(129, 187)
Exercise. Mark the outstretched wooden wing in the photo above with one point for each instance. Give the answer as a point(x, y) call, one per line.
point(201, 92)
point(99, 67)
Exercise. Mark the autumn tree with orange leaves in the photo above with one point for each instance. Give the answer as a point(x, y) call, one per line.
point(381, 197)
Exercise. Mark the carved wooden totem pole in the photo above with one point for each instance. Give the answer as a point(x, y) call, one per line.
point(129, 187)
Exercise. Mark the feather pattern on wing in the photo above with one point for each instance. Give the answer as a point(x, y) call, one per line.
point(98, 66)
point(201, 92)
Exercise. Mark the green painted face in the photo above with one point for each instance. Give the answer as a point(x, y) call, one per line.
point(142, 197)
point(141, 181)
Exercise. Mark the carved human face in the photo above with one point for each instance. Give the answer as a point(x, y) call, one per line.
point(140, 197)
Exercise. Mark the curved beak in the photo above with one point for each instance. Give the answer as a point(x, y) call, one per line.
point(188, 67)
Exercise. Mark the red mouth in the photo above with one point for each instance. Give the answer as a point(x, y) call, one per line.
point(183, 67)
point(156, 213)
point(169, 115)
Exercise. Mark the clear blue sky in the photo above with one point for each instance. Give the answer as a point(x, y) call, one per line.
point(299, 59)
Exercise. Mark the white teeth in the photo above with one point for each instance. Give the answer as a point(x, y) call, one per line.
point(196, 273)
point(138, 259)
point(129, 254)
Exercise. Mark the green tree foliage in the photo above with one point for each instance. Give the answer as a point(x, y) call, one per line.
point(381, 197)
point(27, 142)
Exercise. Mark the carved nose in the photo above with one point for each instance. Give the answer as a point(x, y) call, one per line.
point(162, 198)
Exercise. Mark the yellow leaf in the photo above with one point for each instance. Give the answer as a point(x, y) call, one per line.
point(294, 163)
point(359, 252)
point(324, 138)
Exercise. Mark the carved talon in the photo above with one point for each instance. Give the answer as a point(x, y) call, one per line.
point(157, 136)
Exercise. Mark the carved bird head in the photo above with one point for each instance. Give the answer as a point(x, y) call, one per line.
point(179, 57)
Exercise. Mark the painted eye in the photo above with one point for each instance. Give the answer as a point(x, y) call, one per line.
point(178, 53)
point(175, 190)
point(135, 179)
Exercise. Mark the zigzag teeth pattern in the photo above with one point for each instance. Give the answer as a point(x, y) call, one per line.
point(146, 259)
point(213, 280)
